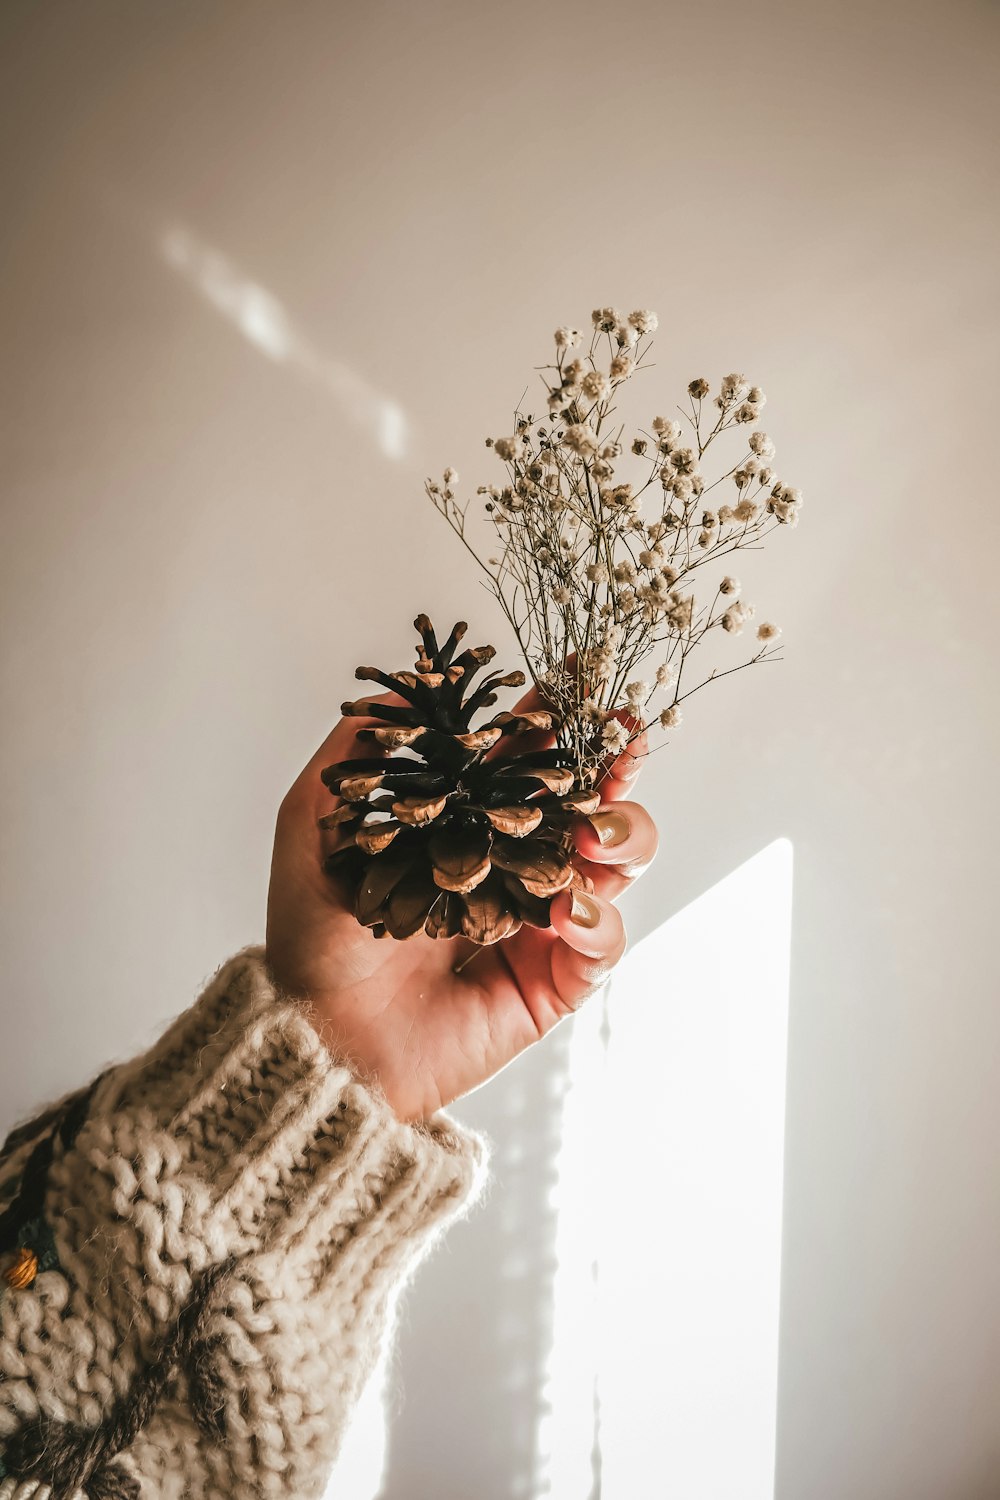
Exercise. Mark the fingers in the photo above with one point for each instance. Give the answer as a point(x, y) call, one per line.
point(618, 775)
point(341, 743)
point(591, 940)
point(307, 799)
point(533, 699)
point(535, 739)
point(615, 777)
point(615, 844)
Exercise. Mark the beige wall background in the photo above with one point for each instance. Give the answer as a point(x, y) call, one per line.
point(263, 267)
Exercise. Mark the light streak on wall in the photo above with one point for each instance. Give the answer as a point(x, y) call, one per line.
point(266, 324)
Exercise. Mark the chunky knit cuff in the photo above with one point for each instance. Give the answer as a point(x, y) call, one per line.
point(220, 1228)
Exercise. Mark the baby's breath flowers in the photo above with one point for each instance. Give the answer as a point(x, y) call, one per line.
point(599, 561)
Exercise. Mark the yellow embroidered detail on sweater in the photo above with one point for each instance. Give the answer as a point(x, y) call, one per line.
point(24, 1270)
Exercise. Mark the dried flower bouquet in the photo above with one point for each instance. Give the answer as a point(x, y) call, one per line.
point(455, 829)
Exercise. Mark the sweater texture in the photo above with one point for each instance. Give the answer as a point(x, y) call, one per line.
point(199, 1257)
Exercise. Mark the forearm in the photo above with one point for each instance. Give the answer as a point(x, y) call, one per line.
point(220, 1225)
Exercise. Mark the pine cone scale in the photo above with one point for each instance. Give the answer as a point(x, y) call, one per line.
point(419, 810)
point(460, 856)
point(515, 821)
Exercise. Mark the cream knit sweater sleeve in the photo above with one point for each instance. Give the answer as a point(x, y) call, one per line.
point(200, 1254)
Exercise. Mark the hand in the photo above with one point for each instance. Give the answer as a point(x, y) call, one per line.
point(396, 1011)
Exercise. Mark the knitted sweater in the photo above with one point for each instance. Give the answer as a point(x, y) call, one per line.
point(199, 1256)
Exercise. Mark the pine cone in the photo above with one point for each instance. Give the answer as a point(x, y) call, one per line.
point(438, 836)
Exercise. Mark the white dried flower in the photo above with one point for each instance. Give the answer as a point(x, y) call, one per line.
point(637, 693)
point(736, 617)
point(787, 514)
point(729, 585)
point(580, 439)
point(624, 572)
point(756, 395)
point(506, 448)
point(594, 385)
point(644, 321)
point(682, 487)
point(698, 389)
point(666, 429)
point(614, 736)
point(567, 338)
point(561, 594)
point(606, 319)
point(768, 631)
point(592, 712)
point(746, 511)
point(761, 444)
point(665, 674)
point(597, 572)
point(681, 611)
point(621, 367)
point(621, 498)
point(626, 335)
point(671, 717)
point(450, 476)
point(746, 413)
point(734, 389)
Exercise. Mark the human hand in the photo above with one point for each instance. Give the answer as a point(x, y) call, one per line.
point(398, 1011)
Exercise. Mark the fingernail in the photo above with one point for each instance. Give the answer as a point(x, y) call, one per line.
point(611, 826)
point(583, 909)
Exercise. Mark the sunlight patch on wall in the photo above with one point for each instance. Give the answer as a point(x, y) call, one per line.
point(663, 1366)
point(266, 324)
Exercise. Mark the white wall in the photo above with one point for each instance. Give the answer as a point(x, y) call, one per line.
point(213, 509)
